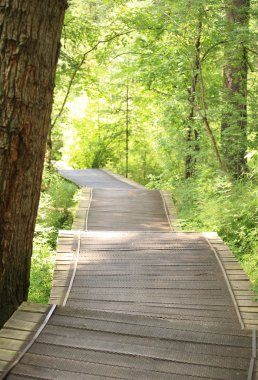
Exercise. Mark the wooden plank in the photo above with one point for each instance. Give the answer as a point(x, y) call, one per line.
point(141, 343)
point(129, 205)
point(63, 268)
point(18, 331)
point(10, 344)
point(157, 273)
point(21, 325)
point(30, 316)
point(13, 344)
point(132, 320)
point(3, 365)
point(239, 283)
point(14, 334)
point(103, 370)
point(26, 306)
point(7, 355)
point(149, 305)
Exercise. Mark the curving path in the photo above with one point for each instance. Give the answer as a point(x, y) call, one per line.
point(136, 300)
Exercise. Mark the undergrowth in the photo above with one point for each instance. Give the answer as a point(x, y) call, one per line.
point(227, 207)
point(57, 201)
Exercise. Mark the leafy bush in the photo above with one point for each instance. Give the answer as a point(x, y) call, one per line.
point(219, 204)
point(42, 266)
point(229, 208)
point(55, 212)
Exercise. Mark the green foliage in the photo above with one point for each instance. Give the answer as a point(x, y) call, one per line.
point(150, 47)
point(160, 182)
point(55, 212)
point(56, 203)
point(216, 203)
point(153, 47)
point(229, 208)
point(42, 266)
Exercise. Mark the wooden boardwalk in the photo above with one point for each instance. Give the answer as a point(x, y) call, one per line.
point(133, 298)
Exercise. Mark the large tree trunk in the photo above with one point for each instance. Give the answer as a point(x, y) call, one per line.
point(234, 118)
point(29, 46)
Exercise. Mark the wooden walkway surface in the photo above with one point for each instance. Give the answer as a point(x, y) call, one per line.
point(132, 298)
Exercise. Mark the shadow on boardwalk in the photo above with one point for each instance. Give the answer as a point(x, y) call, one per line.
point(136, 299)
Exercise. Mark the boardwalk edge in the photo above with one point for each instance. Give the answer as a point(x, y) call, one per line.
point(121, 178)
point(170, 210)
point(20, 328)
point(238, 281)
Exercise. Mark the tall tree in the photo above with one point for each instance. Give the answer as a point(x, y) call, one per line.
point(192, 133)
point(127, 134)
point(234, 123)
point(30, 41)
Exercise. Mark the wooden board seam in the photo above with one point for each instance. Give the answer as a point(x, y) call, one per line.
point(4, 375)
point(74, 269)
point(88, 210)
point(253, 358)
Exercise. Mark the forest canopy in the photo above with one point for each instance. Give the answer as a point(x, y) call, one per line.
point(165, 92)
point(173, 89)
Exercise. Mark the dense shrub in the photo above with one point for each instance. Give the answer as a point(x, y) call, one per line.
point(55, 212)
point(227, 207)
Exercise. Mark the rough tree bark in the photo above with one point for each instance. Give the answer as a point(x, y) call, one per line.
point(234, 118)
point(29, 45)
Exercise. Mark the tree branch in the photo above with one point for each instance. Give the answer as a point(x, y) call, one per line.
point(160, 92)
point(206, 123)
point(131, 52)
point(211, 48)
point(78, 67)
point(252, 51)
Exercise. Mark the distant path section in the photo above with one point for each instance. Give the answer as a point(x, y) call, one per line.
point(120, 205)
point(127, 210)
point(95, 178)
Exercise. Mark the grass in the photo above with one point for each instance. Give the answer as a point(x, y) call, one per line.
point(57, 202)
